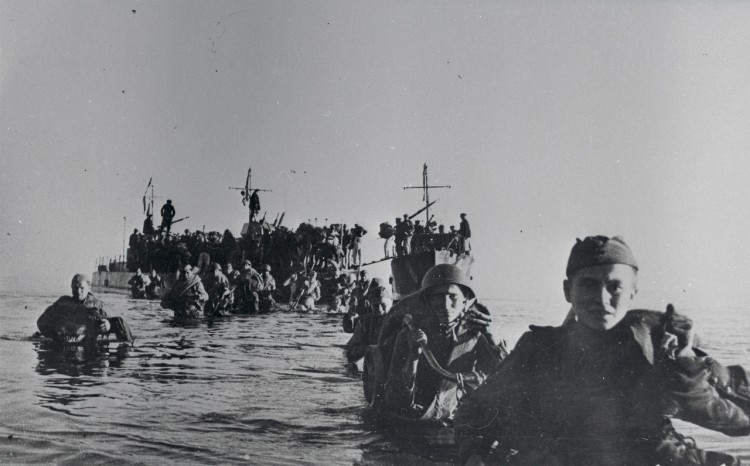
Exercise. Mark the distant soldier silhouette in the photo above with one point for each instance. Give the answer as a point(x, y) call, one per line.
point(167, 214)
point(254, 205)
point(148, 224)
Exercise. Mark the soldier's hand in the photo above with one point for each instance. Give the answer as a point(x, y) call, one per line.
point(415, 338)
point(104, 326)
point(680, 336)
point(476, 320)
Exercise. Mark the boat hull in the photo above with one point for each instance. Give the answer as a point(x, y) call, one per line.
point(409, 270)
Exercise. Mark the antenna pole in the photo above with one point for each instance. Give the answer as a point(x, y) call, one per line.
point(124, 219)
point(426, 188)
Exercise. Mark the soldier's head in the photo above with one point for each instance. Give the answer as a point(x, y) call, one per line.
point(138, 271)
point(447, 290)
point(381, 299)
point(363, 275)
point(186, 271)
point(463, 216)
point(601, 281)
point(80, 286)
point(230, 269)
point(216, 269)
point(247, 265)
point(266, 268)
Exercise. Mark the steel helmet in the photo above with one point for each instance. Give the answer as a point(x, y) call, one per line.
point(446, 274)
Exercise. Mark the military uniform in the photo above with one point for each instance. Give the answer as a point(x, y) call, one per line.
point(68, 317)
point(570, 395)
point(458, 350)
point(187, 298)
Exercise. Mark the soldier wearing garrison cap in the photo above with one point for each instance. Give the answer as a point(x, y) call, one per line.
point(600, 389)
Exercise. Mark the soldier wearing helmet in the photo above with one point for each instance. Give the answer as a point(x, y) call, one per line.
point(267, 300)
point(367, 328)
point(447, 330)
point(220, 295)
point(187, 297)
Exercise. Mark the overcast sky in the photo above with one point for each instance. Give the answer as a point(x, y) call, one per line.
point(550, 120)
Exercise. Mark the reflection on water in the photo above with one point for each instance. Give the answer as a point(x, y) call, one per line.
point(72, 372)
point(78, 360)
point(266, 389)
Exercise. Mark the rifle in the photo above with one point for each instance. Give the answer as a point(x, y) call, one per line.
point(173, 222)
point(375, 262)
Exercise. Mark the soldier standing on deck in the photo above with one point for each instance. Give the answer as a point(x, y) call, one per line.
point(167, 214)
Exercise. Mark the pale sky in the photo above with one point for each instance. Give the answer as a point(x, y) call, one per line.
point(550, 120)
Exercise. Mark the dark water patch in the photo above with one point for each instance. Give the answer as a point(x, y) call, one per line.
point(64, 411)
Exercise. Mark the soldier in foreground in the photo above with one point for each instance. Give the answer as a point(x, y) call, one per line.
point(600, 389)
point(439, 347)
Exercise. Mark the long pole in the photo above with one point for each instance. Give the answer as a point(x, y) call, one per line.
point(124, 219)
point(426, 198)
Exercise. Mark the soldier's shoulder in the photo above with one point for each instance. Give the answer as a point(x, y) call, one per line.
point(542, 335)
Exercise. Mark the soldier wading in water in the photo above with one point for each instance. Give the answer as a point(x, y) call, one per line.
point(439, 347)
point(599, 390)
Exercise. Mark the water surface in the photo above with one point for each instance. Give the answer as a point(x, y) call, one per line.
point(269, 389)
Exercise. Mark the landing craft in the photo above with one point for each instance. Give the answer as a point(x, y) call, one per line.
point(286, 250)
point(430, 249)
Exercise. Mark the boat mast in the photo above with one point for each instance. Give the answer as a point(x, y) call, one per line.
point(148, 207)
point(245, 192)
point(426, 195)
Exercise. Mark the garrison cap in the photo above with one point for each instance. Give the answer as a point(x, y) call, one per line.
point(599, 250)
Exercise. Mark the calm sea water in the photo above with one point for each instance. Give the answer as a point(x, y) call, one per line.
point(271, 389)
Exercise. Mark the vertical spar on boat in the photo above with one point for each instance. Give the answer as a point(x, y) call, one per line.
point(426, 195)
point(246, 191)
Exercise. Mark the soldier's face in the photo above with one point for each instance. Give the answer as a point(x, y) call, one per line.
point(80, 290)
point(601, 295)
point(447, 302)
